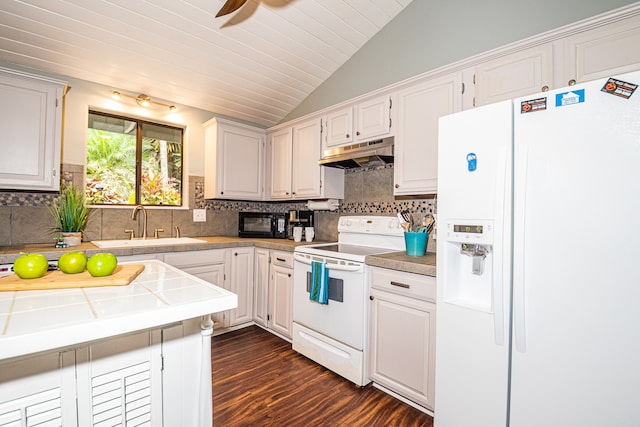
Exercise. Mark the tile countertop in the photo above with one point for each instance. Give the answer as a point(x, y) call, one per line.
point(395, 260)
point(34, 321)
point(8, 254)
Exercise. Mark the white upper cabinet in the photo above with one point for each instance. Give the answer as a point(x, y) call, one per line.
point(294, 169)
point(517, 74)
point(600, 52)
point(280, 163)
point(31, 123)
point(338, 129)
point(372, 119)
point(234, 160)
point(420, 106)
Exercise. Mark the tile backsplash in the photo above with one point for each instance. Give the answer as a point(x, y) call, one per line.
point(25, 217)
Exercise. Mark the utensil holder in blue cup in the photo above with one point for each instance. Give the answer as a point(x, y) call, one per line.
point(416, 243)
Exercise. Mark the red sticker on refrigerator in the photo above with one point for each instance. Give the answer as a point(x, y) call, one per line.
point(619, 88)
point(533, 105)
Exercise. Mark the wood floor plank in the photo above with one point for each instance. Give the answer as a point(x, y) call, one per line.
point(258, 380)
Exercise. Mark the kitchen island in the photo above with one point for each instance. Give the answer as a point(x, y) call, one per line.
point(87, 355)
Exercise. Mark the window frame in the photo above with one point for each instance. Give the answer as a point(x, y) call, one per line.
point(138, 159)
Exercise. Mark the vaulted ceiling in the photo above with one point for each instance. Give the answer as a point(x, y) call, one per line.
point(256, 64)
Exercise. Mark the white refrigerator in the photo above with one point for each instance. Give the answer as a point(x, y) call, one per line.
point(538, 276)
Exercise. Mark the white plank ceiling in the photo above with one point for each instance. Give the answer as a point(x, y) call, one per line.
point(256, 64)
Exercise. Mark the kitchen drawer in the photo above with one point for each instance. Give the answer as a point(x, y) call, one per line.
point(402, 283)
point(195, 258)
point(282, 259)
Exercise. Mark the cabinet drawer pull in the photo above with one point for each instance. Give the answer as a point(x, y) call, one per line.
point(280, 259)
point(400, 285)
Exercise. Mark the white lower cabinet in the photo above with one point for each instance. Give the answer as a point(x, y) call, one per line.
point(120, 381)
point(241, 283)
point(280, 317)
point(261, 286)
point(402, 334)
point(150, 378)
point(38, 389)
point(231, 269)
point(273, 293)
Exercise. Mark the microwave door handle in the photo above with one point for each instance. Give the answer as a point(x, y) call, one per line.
point(330, 266)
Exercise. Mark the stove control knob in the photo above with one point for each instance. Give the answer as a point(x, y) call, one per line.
point(346, 222)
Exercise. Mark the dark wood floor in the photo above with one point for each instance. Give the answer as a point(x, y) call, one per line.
point(258, 380)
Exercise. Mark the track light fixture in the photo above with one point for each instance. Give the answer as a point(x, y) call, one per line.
point(142, 100)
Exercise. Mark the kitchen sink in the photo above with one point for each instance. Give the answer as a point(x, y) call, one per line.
point(135, 243)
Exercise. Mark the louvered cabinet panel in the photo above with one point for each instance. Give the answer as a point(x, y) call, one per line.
point(38, 391)
point(120, 382)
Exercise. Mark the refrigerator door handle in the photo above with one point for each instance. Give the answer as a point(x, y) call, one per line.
point(519, 218)
point(503, 183)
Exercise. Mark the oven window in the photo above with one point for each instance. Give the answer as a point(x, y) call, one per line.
point(335, 288)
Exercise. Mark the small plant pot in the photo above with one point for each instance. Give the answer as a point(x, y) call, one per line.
point(72, 238)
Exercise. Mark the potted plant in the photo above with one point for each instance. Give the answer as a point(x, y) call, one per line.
point(70, 214)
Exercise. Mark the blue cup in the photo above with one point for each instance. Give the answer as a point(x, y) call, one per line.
point(416, 243)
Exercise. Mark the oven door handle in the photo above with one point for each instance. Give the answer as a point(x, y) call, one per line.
point(330, 266)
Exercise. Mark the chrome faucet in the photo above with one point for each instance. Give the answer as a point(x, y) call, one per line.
point(134, 215)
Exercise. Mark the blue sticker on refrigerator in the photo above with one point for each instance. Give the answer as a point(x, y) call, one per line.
point(569, 98)
point(472, 162)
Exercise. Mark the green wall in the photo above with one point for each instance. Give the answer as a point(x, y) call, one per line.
point(432, 33)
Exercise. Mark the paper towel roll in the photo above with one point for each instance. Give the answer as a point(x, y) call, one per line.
point(323, 205)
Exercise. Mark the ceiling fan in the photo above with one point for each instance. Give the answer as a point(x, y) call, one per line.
point(230, 6)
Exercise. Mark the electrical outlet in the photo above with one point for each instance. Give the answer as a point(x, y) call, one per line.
point(199, 215)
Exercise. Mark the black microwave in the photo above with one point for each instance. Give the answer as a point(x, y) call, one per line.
point(263, 224)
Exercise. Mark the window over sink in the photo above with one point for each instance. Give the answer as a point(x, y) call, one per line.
point(133, 162)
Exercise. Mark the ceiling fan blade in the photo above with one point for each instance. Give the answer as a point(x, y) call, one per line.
point(230, 6)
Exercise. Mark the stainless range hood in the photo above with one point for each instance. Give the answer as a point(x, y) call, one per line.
point(371, 153)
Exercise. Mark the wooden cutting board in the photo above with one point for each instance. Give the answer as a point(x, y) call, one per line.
point(123, 275)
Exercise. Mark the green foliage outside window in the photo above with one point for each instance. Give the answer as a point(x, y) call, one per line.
point(113, 150)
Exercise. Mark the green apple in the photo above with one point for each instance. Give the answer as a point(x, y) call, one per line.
point(30, 266)
point(102, 264)
point(72, 262)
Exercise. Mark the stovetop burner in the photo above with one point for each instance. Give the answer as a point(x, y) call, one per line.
point(359, 236)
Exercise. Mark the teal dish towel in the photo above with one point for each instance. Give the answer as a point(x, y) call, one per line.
point(319, 287)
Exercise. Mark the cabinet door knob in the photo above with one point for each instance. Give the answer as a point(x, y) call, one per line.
point(358, 133)
point(545, 88)
point(371, 297)
point(347, 136)
point(572, 82)
point(397, 185)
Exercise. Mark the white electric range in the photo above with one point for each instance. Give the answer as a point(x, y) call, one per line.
point(335, 334)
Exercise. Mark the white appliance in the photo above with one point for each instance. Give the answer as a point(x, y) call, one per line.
point(335, 334)
point(538, 289)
